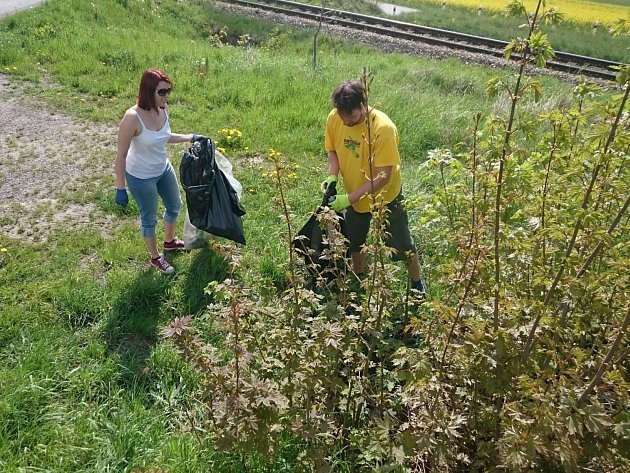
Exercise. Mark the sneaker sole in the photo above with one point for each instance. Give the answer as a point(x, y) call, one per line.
point(168, 271)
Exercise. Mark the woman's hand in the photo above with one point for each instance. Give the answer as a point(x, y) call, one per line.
point(122, 198)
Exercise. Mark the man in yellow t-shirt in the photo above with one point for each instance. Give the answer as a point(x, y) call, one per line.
point(347, 146)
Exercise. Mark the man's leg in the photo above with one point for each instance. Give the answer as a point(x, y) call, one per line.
point(413, 266)
point(400, 239)
point(357, 226)
point(358, 262)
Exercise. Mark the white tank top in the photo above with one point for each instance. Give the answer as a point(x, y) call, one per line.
point(147, 157)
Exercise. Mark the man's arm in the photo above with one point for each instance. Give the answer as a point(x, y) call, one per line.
point(381, 178)
point(333, 163)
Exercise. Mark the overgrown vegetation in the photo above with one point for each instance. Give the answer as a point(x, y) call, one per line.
point(518, 361)
point(505, 373)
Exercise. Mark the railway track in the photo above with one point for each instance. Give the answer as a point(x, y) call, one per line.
point(564, 62)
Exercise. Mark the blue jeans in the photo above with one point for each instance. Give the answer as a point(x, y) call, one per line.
point(145, 192)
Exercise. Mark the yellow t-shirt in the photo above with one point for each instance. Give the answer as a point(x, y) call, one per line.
point(351, 145)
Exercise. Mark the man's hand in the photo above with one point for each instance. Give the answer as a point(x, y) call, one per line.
point(195, 137)
point(330, 179)
point(122, 198)
point(340, 202)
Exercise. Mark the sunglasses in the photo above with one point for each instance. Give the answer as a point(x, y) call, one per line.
point(163, 92)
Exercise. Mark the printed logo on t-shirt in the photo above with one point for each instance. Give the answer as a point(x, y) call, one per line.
point(352, 146)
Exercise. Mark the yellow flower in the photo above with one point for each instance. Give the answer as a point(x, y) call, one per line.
point(3, 250)
point(582, 11)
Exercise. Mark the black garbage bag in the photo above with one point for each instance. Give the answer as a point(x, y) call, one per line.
point(212, 203)
point(310, 241)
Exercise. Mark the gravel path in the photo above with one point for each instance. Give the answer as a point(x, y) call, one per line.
point(48, 162)
point(381, 42)
point(8, 7)
point(391, 45)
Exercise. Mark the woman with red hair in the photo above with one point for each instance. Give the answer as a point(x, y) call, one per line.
point(142, 163)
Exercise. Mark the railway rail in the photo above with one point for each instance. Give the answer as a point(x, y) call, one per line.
point(564, 62)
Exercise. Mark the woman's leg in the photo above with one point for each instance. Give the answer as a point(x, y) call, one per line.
point(151, 243)
point(145, 193)
point(168, 188)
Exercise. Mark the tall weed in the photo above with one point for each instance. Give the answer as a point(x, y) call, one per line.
point(519, 364)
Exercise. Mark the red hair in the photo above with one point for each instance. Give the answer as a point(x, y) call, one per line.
point(148, 85)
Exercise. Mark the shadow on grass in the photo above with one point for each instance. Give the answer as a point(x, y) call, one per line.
point(132, 328)
point(206, 266)
point(146, 305)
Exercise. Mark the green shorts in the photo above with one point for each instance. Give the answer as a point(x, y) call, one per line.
point(357, 226)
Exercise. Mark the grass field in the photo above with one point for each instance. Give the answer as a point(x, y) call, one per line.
point(568, 36)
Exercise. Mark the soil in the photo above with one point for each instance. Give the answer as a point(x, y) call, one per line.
point(48, 163)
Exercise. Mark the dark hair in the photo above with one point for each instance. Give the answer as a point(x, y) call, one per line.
point(148, 85)
point(348, 96)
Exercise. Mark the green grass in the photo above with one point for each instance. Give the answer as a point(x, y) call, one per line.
point(86, 382)
point(567, 36)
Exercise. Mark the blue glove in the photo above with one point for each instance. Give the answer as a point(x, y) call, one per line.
point(194, 138)
point(122, 198)
point(340, 202)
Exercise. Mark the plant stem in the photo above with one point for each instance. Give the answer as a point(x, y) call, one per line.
point(603, 366)
point(505, 152)
point(529, 344)
point(544, 194)
point(460, 307)
point(448, 206)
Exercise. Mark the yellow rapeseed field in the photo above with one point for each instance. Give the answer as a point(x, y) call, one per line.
point(581, 11)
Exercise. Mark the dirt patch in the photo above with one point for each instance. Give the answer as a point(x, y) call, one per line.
point(49, 162)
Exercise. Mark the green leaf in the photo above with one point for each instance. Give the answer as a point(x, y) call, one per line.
point(620, 28)
point(623, 74)
point(596, 420)
point(493, 86)
point(573, 425)
point(516, 8)
point(541, 49)
point(553, 16)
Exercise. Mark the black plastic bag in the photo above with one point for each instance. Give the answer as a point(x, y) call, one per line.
point(212, 203)
point(310, 243)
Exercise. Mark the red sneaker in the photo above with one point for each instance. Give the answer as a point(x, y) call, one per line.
point(161, 265)
point(175, 244)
